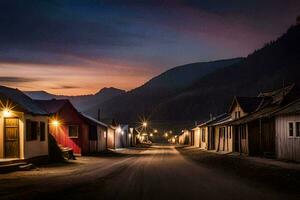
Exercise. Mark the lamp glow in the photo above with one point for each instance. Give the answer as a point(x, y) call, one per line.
point(6, 113)
point(145, 124)
point(55, 123)
point(119, 129)
point(151, 134)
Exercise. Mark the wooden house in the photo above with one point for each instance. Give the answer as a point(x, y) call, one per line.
point(185, 138)
point(240, 108)
point(254, 134)
point(97, 134)
point(221, 131)
point(110, 140)
point(206, 133)
point(287, 130)
point(72, 129)
point(23, 126)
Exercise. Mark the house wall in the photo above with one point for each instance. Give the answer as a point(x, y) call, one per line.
point(35, 148)
point(102, 134)
point(197, 137)
point(203, 138)
point(287, 147)
point(110, 138)
point(236, 108)
point(69, 116)
point(224, 141)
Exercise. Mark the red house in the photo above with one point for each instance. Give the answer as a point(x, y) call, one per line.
point(72, 129)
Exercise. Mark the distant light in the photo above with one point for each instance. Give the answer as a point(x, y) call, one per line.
point(6, 112)
point(166, 134)
point(151, 134)
point(122, 132)
point(145, 124)
point(119, 130)
point(155, 130)
point(129, 134)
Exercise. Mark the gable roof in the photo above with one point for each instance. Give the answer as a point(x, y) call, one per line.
point(52, 106)
point(93, 120)
point(214, 119)
point(292, 108)
point(21, 100)
point(283, 95)
point(248, 104)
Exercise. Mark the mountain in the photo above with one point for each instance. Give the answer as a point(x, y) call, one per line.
point(142, 100)
point(179, 97)
point(271, 67)
point(81, 102)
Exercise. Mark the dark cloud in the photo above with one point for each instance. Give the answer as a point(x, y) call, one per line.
point(13, 79)
point(65, 87)
point(158, 33)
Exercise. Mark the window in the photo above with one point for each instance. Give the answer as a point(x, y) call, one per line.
point(93, 133)
point(73, 131)
point(235, 115)
point(291, 129)
point(203, 135)
point(32, 130)
point(42, 131)
point(239, 114)
point(297, 129)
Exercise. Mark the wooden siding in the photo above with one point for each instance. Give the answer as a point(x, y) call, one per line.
point(224, 138)
point(197, 137)
point(287, 147)
point(110, 138)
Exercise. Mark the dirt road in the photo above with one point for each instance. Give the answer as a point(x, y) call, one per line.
point(159, 172)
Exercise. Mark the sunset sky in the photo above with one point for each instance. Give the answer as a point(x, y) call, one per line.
point(79, 46)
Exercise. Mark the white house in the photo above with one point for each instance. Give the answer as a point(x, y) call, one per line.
point(287, 129)
point(23, 126)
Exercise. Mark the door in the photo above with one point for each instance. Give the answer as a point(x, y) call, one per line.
point(11, 138)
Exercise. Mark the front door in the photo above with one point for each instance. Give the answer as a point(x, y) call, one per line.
point(11, 138)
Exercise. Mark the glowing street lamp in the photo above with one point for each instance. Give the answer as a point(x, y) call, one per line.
point(145, 124)
point(151, 134)
point(155, 130)
point(166, 134)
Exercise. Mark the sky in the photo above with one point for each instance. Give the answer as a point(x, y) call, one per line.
point(77, 47)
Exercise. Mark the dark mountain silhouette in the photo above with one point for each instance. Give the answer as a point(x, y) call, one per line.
point(271, 67)
point(143, 100)
point(81, 102)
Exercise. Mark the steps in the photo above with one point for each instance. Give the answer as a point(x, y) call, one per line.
point(16, 165)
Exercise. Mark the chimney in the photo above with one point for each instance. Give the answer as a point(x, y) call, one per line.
point(98, 114)
point(210, 116)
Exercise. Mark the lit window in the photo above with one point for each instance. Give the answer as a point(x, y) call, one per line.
point(73, 131)
point(291, 129)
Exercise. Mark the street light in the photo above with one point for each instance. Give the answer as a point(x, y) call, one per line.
point(145, 124)
point(155, 130)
